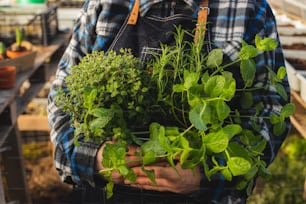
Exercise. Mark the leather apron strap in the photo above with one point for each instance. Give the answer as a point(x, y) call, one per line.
point(134, 14)
point(201, 22)
point(202, 19)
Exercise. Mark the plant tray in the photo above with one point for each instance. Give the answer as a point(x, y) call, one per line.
point(22, 63)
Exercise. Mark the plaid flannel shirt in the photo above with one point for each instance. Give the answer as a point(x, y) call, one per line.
point(97, 24)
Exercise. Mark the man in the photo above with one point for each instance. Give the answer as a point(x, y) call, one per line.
point(104, 25)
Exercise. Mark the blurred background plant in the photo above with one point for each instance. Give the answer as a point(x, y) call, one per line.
point(289, 176)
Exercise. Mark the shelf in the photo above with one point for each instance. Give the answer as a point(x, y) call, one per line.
point(298, 119)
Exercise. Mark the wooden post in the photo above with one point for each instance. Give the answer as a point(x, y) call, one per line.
point(2, 196)
point(13, 169)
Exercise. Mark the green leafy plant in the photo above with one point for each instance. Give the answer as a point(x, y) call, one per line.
point(182, 101)
point(2, 50)
point(19, 37)
point(289, 174)
point(18, 46)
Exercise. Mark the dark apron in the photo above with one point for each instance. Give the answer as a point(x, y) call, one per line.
point(143, 38)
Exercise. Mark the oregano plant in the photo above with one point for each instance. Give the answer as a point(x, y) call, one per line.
point(181, 101)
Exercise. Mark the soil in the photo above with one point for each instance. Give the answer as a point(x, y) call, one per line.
point(44, 183)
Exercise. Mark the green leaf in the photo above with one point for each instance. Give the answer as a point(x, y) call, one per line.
point(190, 79)
point(178, 88)
point(229, 89)
point(231, 130)
point(200, 116)
point(274, 119)
point(109, 190)
point(265, 44)
point(247, 52)
point(223, 110)
point(279, 128)
point(288, 110)
point(241, 184)
point(246, 100)
point(281, 72)
point(237, 150)
point(259, 147)
point(281, 91)
point(215, 85)
point(238, 165)
point(227, 174)
point(251, 173)
point(214, 58)
point(101, 112)
point(123, 170)
point(99, 123)
point(90, 95)
point(150, 174)
point(248, 71)
point(149, 158)
point(216, 142)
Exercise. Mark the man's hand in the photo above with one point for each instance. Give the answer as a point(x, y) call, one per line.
point(131, 157)
point(182, 181)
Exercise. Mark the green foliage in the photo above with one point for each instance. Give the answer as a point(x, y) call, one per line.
point(181, 100)
point(19, 36)
point(2, 48)
point(289, 174)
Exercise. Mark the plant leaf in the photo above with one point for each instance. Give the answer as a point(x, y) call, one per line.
point(265, 44)
point(288, 110)
point(215, 85)
point(246, 100)
point(216, 142)
point(200, 116)
point(281, 91)
point(214, 58)
point(248, 70)
point(247, 52)
point(238, 166)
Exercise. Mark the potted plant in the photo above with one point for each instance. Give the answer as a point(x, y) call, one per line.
point(2, 51)
point(180, 102)
point(19, 48)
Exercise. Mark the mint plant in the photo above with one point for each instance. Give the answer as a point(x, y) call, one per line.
point(181, 100)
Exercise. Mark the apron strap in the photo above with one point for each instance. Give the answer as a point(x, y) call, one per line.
point(201, 22)
point(202, 19)
point(134, 14)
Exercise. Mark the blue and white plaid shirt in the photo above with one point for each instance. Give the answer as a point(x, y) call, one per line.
point(231, 21)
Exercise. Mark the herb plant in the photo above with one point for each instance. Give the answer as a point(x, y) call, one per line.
point(119, 98)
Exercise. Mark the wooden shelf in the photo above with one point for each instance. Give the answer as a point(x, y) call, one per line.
point(298, 119)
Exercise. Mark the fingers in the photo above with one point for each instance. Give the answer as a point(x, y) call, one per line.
point(167, 179)
point(133, 150)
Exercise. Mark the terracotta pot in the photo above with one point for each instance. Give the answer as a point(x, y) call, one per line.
point(13, 54)
point(7, 77)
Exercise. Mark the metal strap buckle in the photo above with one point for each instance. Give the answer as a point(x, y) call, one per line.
point(205, 8)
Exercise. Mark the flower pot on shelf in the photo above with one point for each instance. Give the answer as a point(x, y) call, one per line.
point(22, 63)
point(19, 50)
point(7, 77)
point(13, 54)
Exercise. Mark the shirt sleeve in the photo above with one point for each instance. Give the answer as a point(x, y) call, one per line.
point(93, 30)
point(260, 20)
point(264, 24)
point(243, 20)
